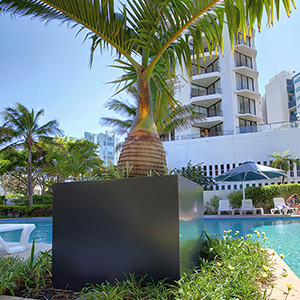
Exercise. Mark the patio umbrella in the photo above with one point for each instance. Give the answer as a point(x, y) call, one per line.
point(249, 171)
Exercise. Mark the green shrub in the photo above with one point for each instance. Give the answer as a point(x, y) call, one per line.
point(235, 199)
point(37, 199)
point(18, 275)
point(263, 196)
point(231, 268)
point(16, 211)
point(212, 205)
point(2, 200)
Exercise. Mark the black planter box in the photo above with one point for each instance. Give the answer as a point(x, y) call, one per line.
point(105, 229)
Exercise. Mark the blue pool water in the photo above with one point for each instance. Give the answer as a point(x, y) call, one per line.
point(282, 235)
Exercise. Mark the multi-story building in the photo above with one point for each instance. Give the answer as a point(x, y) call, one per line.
point(238, 124)
point(106, 145)
point(296, 82)
point(280, 99)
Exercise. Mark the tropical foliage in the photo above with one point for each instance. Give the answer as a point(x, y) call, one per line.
point(148, 36)
point(75, 160)
point(195, 173)
point(231, 266)
point(284, 161)
point(24, 132)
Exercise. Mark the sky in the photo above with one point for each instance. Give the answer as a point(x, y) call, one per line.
point(48, 67)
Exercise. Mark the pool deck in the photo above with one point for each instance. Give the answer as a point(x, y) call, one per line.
point(251, 216)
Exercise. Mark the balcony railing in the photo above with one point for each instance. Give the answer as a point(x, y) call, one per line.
point(209, 69)
point(269, 127)
point(197, 90)
point(292, 103)
point(212, 113)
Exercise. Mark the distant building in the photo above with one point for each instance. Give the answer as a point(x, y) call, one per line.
point(280, 98)
point(296, 82)
point(106, 145)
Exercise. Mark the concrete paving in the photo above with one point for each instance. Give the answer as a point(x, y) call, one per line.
point(26, 253)
point(280, 290)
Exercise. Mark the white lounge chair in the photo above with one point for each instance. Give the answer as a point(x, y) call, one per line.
point(279, 204)
point(225, 206)
point(247, 205)
point(26, 231)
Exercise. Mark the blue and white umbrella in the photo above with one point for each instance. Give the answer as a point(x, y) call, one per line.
point(249, 171)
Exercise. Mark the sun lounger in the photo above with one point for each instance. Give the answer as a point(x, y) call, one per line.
point(279, 204)
point(26, 231)
point(247, 205)
point(224, 206)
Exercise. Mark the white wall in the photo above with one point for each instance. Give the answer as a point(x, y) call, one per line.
point(232, 148)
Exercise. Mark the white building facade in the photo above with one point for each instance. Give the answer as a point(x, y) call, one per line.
point(106, 145)
point(238, 123)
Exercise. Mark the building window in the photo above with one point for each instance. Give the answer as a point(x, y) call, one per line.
point(223, 187)
point(242, 60)
point(216, 170)
point(213, 131)
point(204, 171)
point(222, 169)
point(242, 41)
point(228, 187)
point(246, 105)
point(244, 82)
point(246, 126)
point(210, 171)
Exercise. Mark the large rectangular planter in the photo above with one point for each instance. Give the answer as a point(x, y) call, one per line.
point(105, 229)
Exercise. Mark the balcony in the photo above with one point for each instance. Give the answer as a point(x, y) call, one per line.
point(204, 70)
point(249, 117)
point(292, 103)
point(246, 129)
point(198, 91)
point(269, 127)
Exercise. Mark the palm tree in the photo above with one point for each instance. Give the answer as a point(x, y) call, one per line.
point(75, 160)
point(149, 35)
point(284, 161)
point(179, 118)
point(25, 132)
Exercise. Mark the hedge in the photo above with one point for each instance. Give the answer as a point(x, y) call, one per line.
point(37, 199)
point(17, 211)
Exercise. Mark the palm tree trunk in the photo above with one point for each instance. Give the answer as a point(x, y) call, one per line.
point(143, 148)
point(29, 185)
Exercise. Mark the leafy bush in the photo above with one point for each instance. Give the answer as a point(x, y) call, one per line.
point(41, 210)
point(37, 199)
point(2, 200)
point(235, 199)
point(18, 275)
point(231, 268)
point(196, 174)
point(212, 205)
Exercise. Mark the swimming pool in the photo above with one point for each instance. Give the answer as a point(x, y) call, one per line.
point(282, 235)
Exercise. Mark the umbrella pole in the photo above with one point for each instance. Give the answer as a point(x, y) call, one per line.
point(244, 190)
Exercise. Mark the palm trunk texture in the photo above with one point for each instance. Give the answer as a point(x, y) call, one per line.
point(30, 199)
point(143, 148)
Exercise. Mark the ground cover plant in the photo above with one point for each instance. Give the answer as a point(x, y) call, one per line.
point(230, 267)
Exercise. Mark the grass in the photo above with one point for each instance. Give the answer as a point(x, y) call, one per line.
point(230, 267)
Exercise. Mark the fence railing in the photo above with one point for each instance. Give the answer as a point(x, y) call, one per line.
point(268, 127)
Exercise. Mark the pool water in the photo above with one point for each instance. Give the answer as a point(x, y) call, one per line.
point(282, 235)
point(42, 233)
